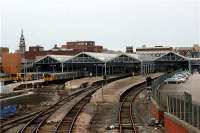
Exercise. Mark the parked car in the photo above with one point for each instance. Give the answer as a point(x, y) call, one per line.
point(175, 80)
point(181, 76)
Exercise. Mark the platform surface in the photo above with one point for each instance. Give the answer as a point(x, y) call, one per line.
point(76, 83)
point(105, 113)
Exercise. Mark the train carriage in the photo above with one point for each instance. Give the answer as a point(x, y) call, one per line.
point(64, 75)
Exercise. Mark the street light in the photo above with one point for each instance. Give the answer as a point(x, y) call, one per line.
point(104, 78)
point(37, 67)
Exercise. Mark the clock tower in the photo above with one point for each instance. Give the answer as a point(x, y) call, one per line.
point(22, 45)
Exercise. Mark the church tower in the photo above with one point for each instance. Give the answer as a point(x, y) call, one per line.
point(22, 45)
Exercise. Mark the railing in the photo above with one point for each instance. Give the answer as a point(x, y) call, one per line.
point(184, 109)
point(177, 104)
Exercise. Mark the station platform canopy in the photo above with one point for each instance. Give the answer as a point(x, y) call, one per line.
point(171, 56)
point(48, 59)
point(91, 57)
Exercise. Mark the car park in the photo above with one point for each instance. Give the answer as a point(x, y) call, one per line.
point(178, 77)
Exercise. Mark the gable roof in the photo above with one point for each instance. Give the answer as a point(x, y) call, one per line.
point(101, 57)
point(185, 58)
point(59, 58)
point(104, 57)
point(131, 55)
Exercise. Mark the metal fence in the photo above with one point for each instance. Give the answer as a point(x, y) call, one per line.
point(184, 109)
point(177, 104)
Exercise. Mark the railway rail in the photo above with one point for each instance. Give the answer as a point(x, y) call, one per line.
point(35, 121)
point(126, 116)
point(27, 118)
point(67, 123)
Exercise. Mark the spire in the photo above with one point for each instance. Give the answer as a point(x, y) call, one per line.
point(22, 46)
point(22, 32)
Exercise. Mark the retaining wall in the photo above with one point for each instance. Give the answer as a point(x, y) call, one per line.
point(172, 124)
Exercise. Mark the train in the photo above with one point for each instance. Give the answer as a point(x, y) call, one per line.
point(47, 76)
point(64, 75)
point(28, 76)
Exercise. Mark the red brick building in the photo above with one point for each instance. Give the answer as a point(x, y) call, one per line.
point(83, 46)
point(35, 51)
point(71, 48)
point(12, 63)
point(3, 50)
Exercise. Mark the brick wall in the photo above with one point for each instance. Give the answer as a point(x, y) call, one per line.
point(171, 126)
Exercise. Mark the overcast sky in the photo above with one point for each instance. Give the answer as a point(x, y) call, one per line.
point(111, 23)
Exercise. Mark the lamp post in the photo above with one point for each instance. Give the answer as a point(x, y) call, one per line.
point(105, 78)
point(37, 71)
point(25, 70)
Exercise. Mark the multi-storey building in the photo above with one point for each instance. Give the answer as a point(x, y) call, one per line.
point(83, 46)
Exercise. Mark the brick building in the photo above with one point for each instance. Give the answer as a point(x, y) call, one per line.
point(3, 50)
point(12, 63)
point(71, 48)
point(129, 49)
point(83, 46)
point(35, 51)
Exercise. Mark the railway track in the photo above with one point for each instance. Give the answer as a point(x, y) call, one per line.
point(39, 120)
point(19, 118)
point(67, 123)
point(40, 115)
point(126, 117)
point(35, 121)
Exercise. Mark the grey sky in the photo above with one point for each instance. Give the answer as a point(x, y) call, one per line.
point(112, 23)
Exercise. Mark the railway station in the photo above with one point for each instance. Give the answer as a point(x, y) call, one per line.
point(100, 67)
point(95, 63)
point(90, 90)
point(101, 63)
